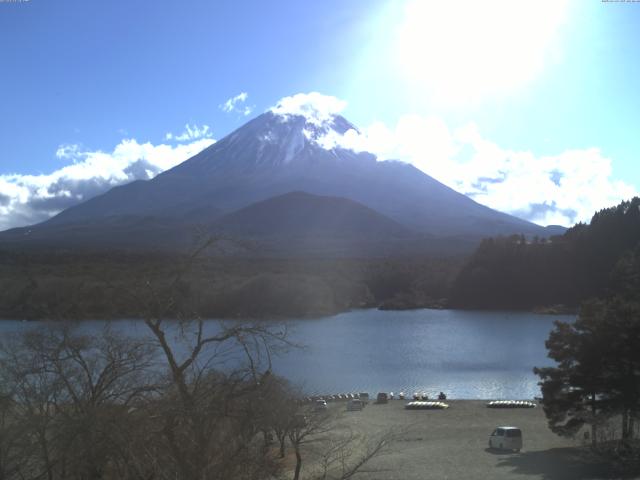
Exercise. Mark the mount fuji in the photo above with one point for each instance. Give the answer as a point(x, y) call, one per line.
point(243, 184)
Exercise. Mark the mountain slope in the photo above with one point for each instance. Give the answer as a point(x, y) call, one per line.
point(275, 154)
point(296, 224)
point(299, 224)
point(300, 214)
point(119, 232)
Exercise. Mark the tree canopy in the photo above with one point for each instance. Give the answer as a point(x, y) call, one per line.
point(516, 272)
point(597, 376)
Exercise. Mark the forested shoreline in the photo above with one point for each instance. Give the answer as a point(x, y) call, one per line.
point(519, 273)
point(506, 273)
point(76, 286)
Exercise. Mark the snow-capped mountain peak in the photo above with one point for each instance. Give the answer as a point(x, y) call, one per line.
point(300, 145)
point(320, 114)
point(298, 128)
point(315, 108)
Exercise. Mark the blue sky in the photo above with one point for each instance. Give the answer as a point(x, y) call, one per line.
point(509, 95)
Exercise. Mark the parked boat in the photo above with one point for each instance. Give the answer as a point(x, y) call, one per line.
point(511, 404)
point(419, 405)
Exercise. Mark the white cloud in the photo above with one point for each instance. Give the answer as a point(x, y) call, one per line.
point(190, 133)
point(235, 104)
point(28, 199)
point(315, 107)
point(67, 151)
point(554, 189)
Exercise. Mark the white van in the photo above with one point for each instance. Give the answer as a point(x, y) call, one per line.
point(506, 438)
point(320, 405)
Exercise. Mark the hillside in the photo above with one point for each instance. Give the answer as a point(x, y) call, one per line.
point(305, 215)
point(512, 272)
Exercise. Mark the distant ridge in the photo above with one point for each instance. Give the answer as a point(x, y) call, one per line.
point(305, 215)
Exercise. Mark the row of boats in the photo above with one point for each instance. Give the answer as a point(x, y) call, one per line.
point(364, 396)
point(420, 400)
point(418, 405)
point(341, 397)
point(511, 404)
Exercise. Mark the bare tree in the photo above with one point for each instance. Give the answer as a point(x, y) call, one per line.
point(336, 453)
point(11, 437)
point(208, 416)
point(280, 402)
point(190, 400)
point(350, 454)
point(72, 393)
point(306, 429)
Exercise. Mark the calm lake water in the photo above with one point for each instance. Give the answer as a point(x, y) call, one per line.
point(467, 354)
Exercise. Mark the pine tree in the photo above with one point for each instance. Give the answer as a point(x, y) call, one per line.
point(598, 360)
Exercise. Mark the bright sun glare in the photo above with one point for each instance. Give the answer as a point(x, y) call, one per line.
point(463, 51)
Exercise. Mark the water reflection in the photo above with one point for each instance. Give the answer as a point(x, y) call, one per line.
point(466, 354)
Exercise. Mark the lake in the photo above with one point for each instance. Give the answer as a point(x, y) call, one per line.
point(466, 354)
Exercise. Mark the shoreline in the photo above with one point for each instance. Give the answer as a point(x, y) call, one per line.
point(546, 311)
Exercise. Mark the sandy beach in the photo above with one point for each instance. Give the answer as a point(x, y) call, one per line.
point(453, 444)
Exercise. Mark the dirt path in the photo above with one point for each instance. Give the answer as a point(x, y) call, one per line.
point(452, 444)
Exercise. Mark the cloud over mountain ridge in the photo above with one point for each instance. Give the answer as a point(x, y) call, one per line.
point(551, 189)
